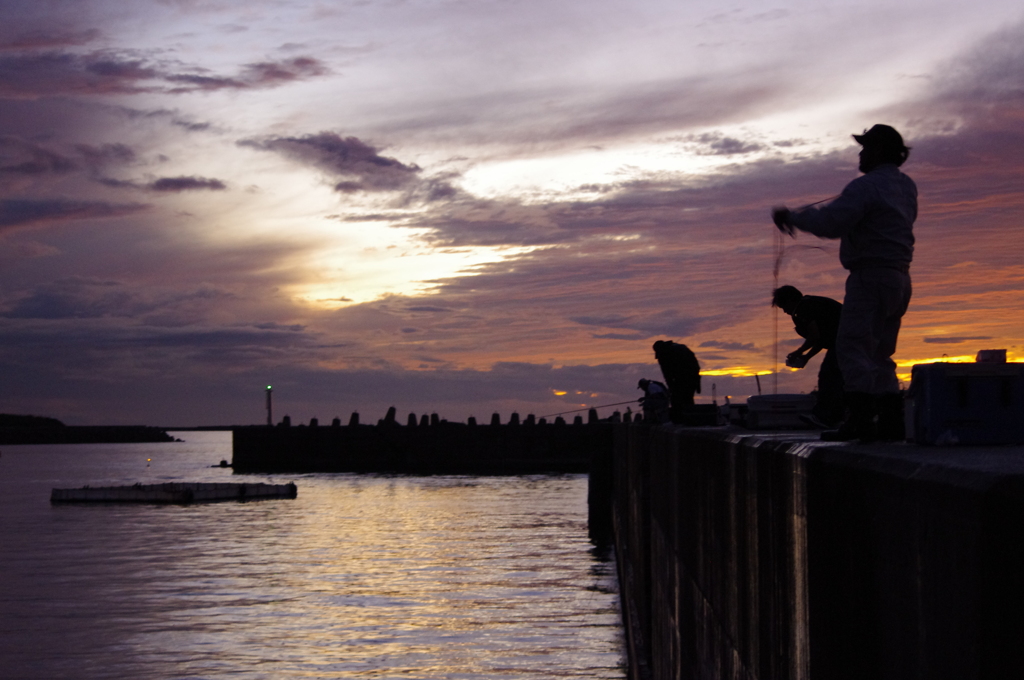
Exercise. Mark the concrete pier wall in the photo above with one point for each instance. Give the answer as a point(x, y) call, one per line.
point(773, 556)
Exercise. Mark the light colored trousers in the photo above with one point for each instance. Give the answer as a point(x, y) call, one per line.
point(876, 300)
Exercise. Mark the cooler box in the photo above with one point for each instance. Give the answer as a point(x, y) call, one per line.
point(779, 411)
point(979, 404)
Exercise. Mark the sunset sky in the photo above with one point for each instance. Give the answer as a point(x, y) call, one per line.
point(465, 207)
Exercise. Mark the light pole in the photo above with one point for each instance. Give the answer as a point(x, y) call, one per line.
point(270, 412)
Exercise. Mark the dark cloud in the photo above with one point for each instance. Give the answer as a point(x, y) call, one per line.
point(358, 165)
point(669, 322)
point(90, 298)
point(104, 155)
point(23, 212)
point(21, 157)
point(74, 298)
point(612, 320)
point(972, 112)
point(274, 73)
point(717, 144)
point(271, 325)
point(956, 340)
point(174, 117)
point(620, 336)
point(731, 346)
point(34, 40)
point(259, 75)
point(55, 73)
point(179, 184)
point(376, 217)
point(993, 73)
point(494, 225)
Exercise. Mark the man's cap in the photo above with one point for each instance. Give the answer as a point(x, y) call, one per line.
point(883, 136)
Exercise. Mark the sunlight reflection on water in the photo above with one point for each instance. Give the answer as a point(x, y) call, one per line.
point(359, 577)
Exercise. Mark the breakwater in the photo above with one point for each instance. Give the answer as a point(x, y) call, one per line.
point(428, 446)
point(768, 556)
point(181, 493)
point(83, 434)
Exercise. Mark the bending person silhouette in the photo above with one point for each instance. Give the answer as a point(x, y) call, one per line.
point(873, 218)
point(816, 320)
point(682, 375)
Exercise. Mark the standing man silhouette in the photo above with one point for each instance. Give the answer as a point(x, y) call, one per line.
point(873, 218)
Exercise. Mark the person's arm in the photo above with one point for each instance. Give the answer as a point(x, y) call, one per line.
point(803, 348)
point(808, 329)
point(812, 343)
point(811, 352)
point(836, 219)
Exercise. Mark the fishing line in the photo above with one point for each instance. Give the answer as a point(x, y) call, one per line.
point(780, 253)
point(587, 408)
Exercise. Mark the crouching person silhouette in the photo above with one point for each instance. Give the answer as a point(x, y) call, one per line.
point(681, 370)
point(816, 320)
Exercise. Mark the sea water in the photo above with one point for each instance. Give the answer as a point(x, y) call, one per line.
point(361, 576)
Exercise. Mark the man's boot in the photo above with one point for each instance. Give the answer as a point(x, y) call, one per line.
point(860, 420)
point(891, 425)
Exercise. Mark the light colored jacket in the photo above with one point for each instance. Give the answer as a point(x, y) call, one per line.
point(873, 217)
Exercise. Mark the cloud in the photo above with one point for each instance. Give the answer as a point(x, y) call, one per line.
point(74, 298)
point(47, 39)
point(357, 165)
point(620, 336)
point(253, 76)
point(275, 73)
point(22, 157)
point(55, 73)
point(25, 212)
point(956, 340)
point(717, 144)
point(179, 184)
point(80, 297)
point(730, 346)
point(271, 325)
point(169, 185)
point(101, 156)
point(428, 308)
point(175, 118)
point(992, 73)
point(669, 322)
